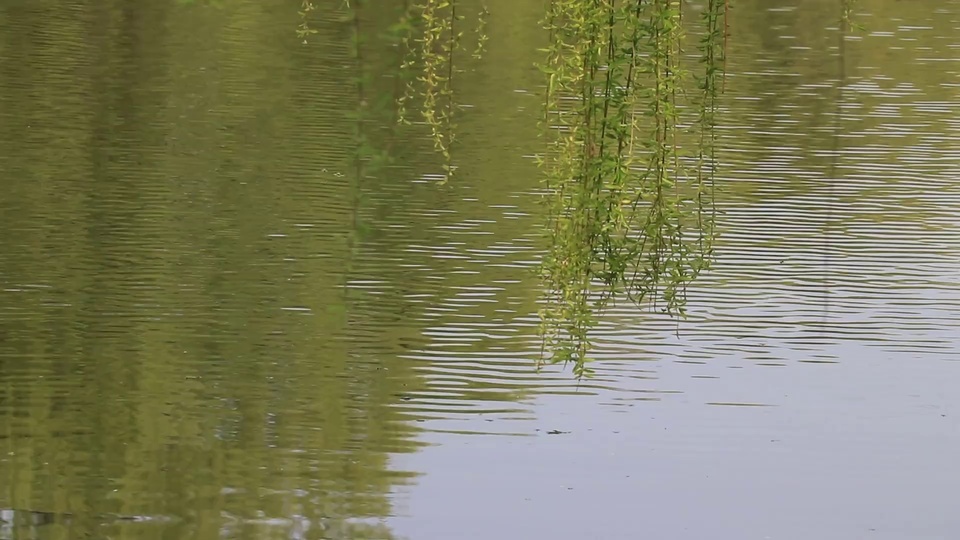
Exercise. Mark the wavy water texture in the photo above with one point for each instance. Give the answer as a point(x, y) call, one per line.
point(235, 302)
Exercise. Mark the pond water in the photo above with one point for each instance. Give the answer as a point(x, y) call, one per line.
point(216, 323)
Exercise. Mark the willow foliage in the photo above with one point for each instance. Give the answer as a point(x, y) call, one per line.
point(630, 209)
point(630, 158)
point(433, 42)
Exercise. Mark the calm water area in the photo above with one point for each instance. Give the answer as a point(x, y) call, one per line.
point(217, 323)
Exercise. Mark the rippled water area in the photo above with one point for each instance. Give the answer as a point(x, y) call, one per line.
point(237, 303)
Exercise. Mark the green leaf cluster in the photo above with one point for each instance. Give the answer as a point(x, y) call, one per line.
point(630, 208)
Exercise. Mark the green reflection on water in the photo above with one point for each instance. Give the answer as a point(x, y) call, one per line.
point(211, 311)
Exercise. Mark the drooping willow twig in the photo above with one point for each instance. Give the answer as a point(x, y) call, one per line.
point(433, 39)
point(627, 217)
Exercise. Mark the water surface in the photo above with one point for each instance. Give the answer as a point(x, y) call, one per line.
point(215, 322)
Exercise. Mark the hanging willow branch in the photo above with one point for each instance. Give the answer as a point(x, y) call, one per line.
point(304, 30)
point(434, 36)
point(710, 82)
point(430, 57)
point(627, 217)
point(846, 17)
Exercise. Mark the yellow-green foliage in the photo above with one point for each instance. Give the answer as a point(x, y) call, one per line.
point(432, 43)
point(846, 16)
point(432, 40)
point(847, 8)
point(629, 213)
point(303, 29)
